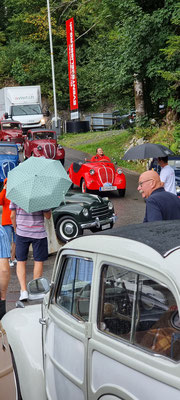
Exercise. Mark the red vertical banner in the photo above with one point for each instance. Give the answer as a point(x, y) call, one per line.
point(72, 65)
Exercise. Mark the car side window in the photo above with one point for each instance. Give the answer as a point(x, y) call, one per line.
point(73, 293)
point(139, 310)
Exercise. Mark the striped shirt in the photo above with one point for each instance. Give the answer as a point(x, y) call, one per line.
point(29, 224)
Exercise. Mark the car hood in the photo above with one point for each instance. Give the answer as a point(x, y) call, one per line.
point(12, 132)
point(42, 142)
point(82, 198)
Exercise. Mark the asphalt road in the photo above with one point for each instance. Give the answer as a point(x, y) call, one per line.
point(129, 210)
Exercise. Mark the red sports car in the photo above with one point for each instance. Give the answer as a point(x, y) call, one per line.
point(98, 175)
point(43, 142)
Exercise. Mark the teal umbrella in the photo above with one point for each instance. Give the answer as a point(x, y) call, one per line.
point(37, 184)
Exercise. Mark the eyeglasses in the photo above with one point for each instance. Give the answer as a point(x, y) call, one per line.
point(141, 183)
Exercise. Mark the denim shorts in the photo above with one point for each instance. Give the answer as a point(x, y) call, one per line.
point(40, 248)
point(10, 232)
point(5, 248)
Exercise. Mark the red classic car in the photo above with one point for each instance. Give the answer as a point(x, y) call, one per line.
point(98, 175)
point(43, 142)
point(11, 131)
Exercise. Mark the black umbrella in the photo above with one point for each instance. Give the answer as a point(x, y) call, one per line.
point(147, 150)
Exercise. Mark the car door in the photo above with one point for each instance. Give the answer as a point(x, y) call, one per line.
point(134, 350)
point(67, 329)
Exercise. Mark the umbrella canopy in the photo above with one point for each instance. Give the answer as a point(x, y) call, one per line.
point(37, 184)
point(147, 150)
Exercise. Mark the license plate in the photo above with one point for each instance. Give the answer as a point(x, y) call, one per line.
point(106, 226)
point(107, 188)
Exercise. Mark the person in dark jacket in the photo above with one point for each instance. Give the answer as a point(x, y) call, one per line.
point(160, 205)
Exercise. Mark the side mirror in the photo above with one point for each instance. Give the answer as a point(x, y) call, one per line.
point(37, 288)
point(6, 115)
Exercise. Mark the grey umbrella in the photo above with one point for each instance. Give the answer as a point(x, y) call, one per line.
point(147, 150)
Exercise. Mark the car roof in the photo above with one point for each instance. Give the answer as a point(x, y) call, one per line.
point(8, 144)
point(41, 130)
point(161, 236)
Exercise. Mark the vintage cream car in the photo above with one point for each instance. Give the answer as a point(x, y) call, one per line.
point(109, 327)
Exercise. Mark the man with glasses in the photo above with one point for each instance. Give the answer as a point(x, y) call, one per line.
point(160, 205)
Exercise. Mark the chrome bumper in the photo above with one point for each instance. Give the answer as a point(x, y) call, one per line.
point(98, 223)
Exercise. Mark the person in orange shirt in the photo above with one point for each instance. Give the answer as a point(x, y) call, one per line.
point(7, 223)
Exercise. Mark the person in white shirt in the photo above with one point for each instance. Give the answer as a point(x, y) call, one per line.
point(167, 175)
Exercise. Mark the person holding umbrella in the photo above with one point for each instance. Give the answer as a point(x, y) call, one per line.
point(160, 205)
point(167, 175)
point(29, 228)
point(34, 188)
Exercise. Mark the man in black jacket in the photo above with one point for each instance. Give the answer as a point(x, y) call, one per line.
point(160, 205)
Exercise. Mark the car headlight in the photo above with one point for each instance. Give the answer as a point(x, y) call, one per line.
point(39, 147)
point(8, 140)
point(85, 212)
point(119, 171)
point(110, 205)
point(59, 146)
point(92, 172)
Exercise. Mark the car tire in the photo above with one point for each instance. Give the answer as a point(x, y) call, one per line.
point(83, 186)
point(67, 229)
point(121, 192)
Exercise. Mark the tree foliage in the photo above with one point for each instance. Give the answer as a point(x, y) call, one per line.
point(115, 40)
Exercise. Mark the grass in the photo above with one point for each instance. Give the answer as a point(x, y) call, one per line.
point(115, 143)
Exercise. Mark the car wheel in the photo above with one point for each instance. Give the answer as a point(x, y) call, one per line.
point(83, 186)
point(67, 229)
point(121, 192)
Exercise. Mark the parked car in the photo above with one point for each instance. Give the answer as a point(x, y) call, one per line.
point(82, 211)
point(11, 131)
point(109, 326)
point(98, 175)
point(43, 142)
point(9, 158)
point(124, 121)
point(174, 162)
point(7, 376)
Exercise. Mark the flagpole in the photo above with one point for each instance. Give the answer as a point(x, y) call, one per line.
point(52, 64)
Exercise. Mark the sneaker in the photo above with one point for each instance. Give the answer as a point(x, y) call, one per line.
point(23, 295)
point(11, 264)
point(15, 261)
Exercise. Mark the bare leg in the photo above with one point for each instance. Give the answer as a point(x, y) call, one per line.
point(13, 251)
point(4, 277)
point(38, 269)
point(21, 274)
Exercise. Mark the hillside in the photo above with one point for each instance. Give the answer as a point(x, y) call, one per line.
point(116, 142)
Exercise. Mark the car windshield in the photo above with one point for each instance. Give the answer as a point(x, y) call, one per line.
point(10, 150)
point(28, 109)
point(43, 135)
point(10, 125)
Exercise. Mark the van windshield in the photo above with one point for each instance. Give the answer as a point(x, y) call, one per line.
point(28, 109)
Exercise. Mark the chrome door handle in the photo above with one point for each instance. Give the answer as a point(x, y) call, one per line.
point(43, 321)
